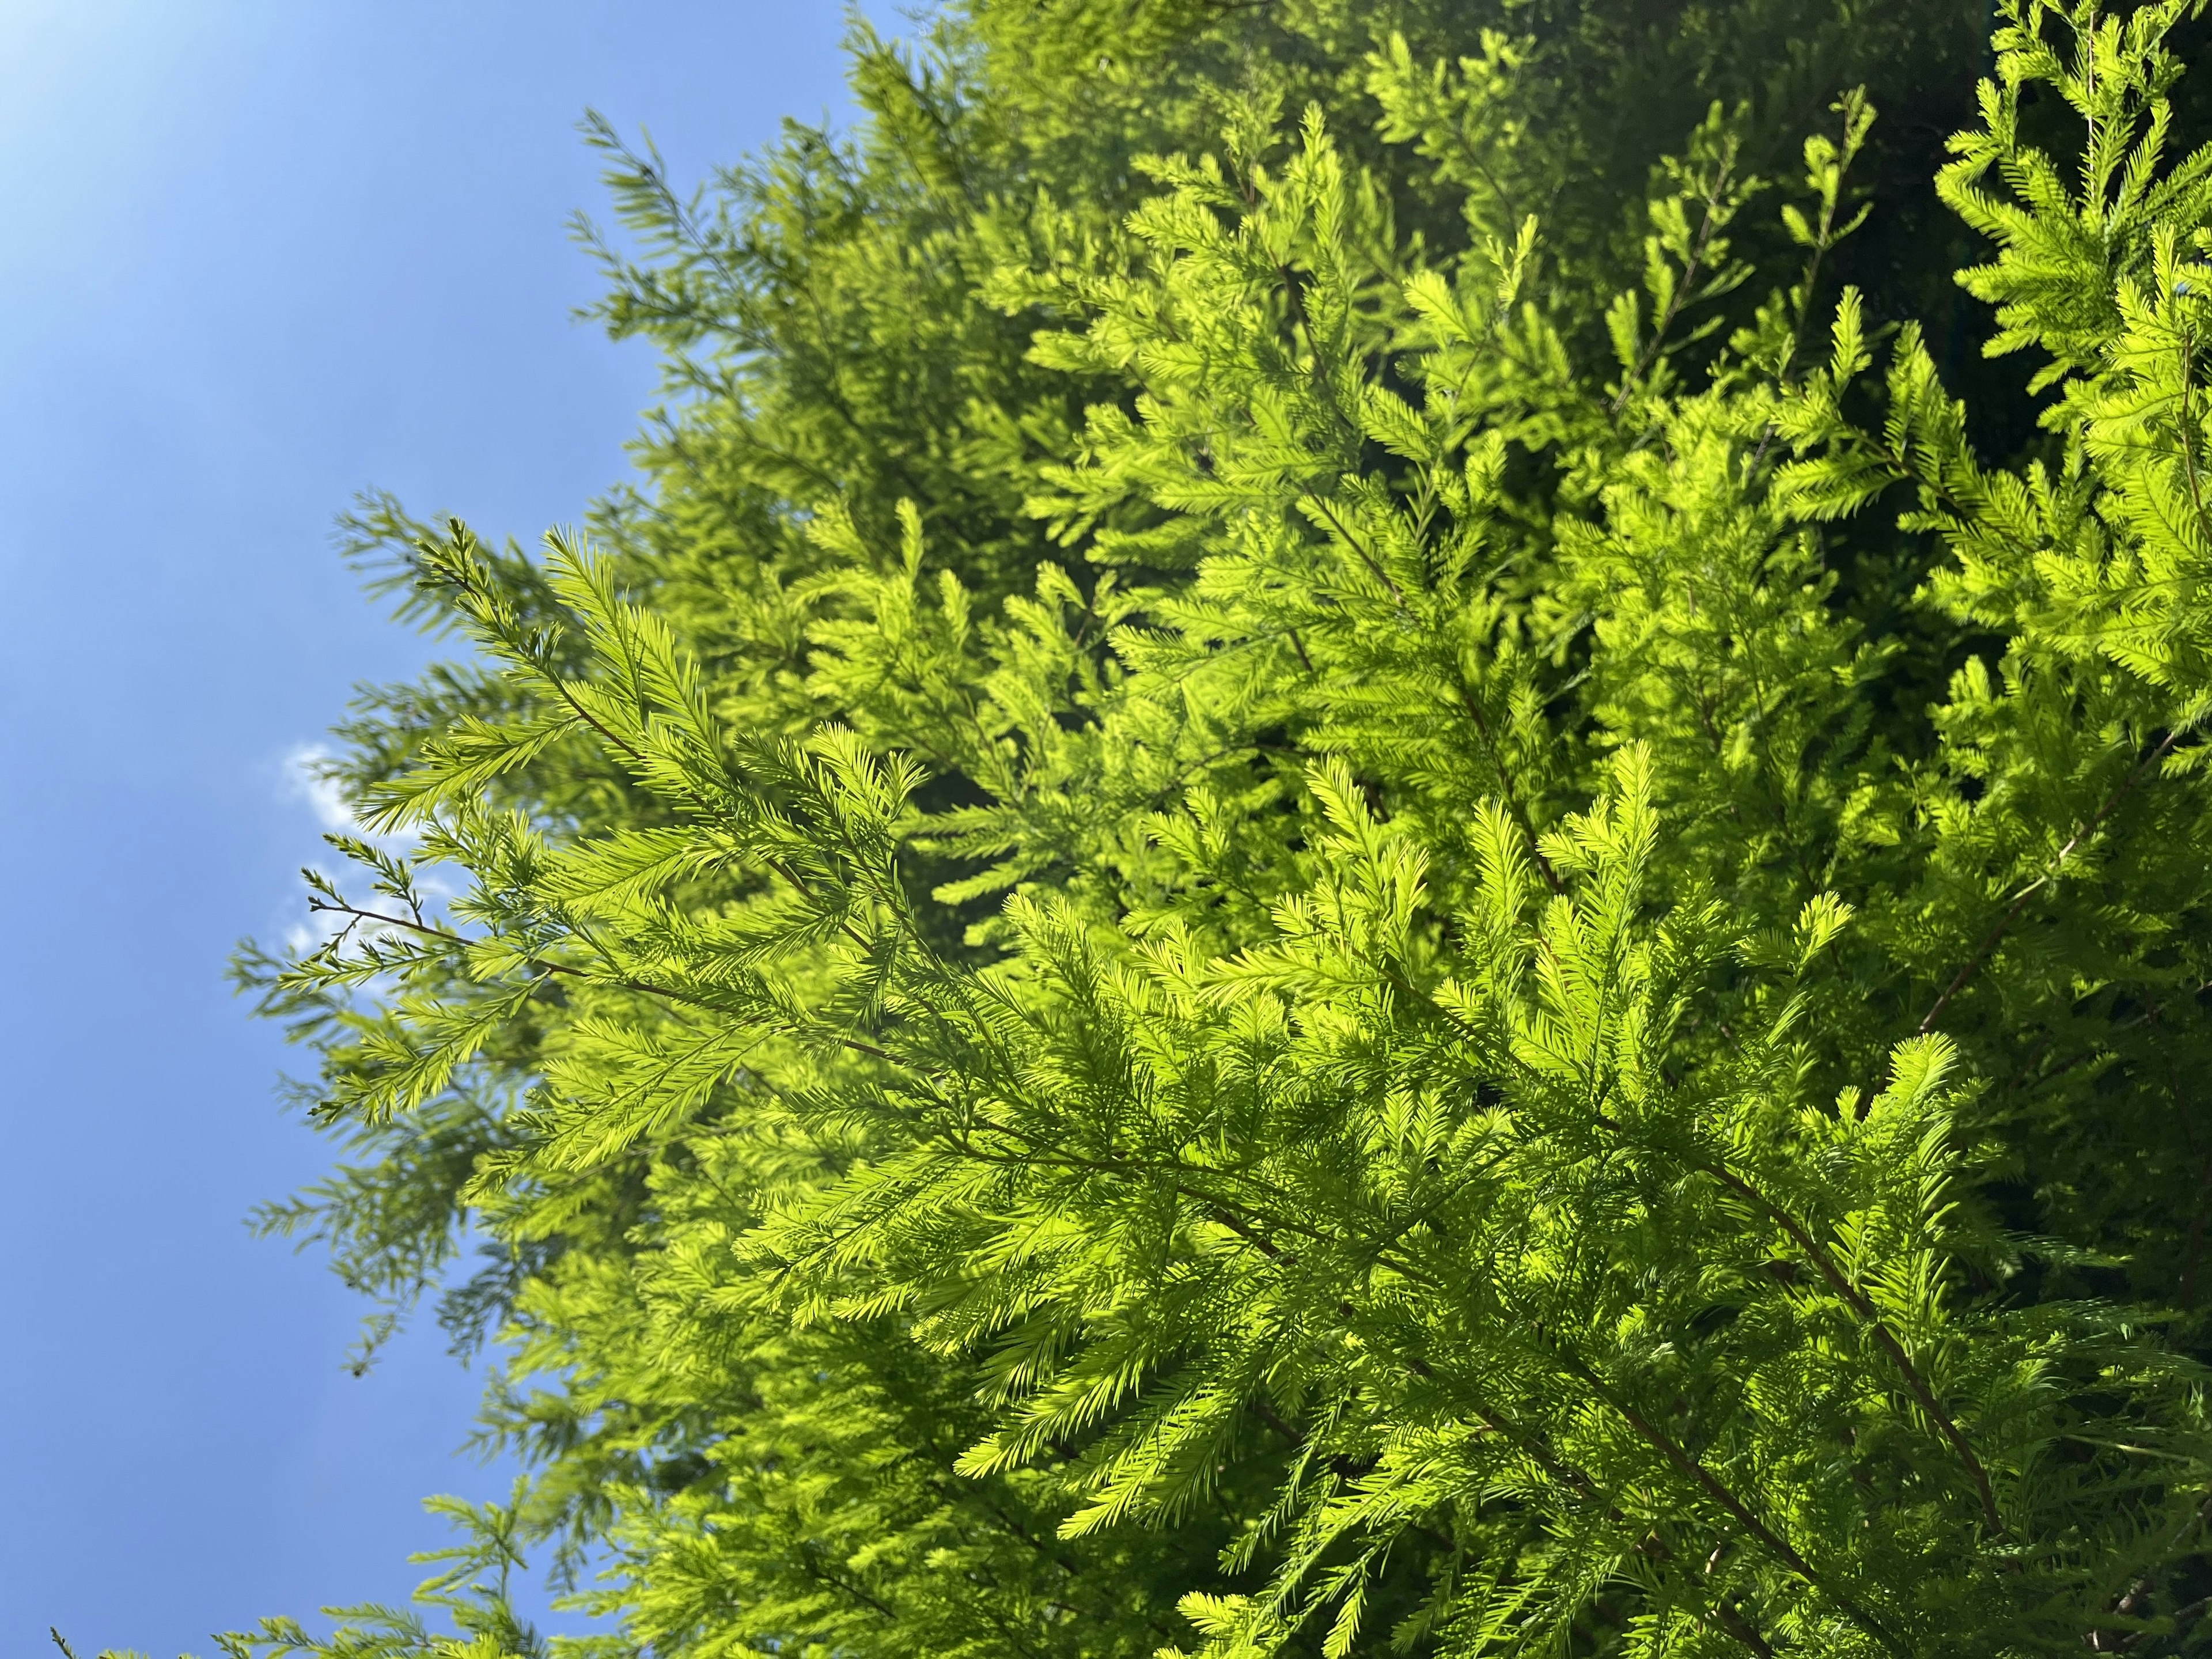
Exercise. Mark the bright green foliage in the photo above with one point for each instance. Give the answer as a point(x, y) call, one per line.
point(1326, 873)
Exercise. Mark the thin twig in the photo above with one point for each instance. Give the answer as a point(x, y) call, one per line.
point(1649, 354)
point(1472, 705)
point(1360, 548)
point(1857, 1301)
point(2012, 912)
point(1717, 1490)
point(643, 987)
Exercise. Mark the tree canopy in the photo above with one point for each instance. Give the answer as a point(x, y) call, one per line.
point(1380, 829)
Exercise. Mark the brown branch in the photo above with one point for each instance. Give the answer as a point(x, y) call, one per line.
point(1857, 1301)
point(823, 1575)
point(1733, 1623)
point(1717, 1490)
point(637, 760)
point(643, 987)
point(1720, 1615)
point(1047, 1153)
point(1365, 557)
point(2012, 913)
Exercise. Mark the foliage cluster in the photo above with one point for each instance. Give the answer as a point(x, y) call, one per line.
point(1362, 842)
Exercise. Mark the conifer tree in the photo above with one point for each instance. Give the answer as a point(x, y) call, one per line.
point(1359, 845)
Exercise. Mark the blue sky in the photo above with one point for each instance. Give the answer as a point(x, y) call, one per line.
point(259, 256)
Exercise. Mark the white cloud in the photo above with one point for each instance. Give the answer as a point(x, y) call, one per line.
point(305, 780)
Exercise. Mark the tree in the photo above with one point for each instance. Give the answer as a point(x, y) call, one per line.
point(1329, 864)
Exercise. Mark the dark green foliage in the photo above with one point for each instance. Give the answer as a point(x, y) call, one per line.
point(1362, 840)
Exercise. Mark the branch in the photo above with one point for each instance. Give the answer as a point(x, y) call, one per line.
point(1720, 1615)
point(519, 644)
point(643, 987)
point(1715, 1488)
point(1366, 557)
point(1474, 706)
point(1468, 701)
point(1857, 1301)
point(2012, 913)
point(1659, 328)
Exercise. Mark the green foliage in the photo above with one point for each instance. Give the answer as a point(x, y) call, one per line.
point(1329, 865)
point(471, 1584)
